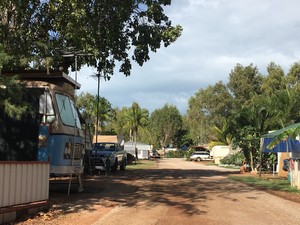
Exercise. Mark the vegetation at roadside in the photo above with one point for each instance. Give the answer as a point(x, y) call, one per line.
point(142, 165)
point(236, 113)
point(234, 159)
point(270, 183)
point(175, 154)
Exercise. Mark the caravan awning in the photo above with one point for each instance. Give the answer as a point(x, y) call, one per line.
point(288, 145)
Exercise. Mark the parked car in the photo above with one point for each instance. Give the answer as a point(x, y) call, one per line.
point(108, 150)
point(154, 154)
point(130, 158)
point(200, 155)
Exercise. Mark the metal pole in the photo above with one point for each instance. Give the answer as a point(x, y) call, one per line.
point(75, 119)
point(98, 100)
point(74, 53)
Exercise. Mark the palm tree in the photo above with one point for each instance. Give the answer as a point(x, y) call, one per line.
point(250, 123)
point(135, 118)
point(222, 136)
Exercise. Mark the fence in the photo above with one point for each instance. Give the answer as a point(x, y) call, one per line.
point(23, 182)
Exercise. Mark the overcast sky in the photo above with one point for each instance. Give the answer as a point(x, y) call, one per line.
point(217, 34)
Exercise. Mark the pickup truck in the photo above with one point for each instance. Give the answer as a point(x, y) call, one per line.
point(114, 151)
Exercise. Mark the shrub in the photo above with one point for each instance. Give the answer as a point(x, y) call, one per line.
point(188, 154)
point(235, 159)
point(175, 154)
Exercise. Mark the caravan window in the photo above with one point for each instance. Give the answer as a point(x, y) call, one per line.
point(67, 111)
point(46, 108)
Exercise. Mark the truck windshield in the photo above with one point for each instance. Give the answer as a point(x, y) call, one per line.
point(104, 147)
point(67, 111)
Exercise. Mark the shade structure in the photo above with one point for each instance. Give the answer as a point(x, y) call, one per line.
point(287, 145)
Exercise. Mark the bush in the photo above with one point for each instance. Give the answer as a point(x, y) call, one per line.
point(188, 154)
point(175, 154)
point(235, 159)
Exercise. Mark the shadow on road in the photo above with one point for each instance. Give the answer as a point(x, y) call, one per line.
point(183, 189)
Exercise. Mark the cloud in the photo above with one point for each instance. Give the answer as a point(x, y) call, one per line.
point(217, 34)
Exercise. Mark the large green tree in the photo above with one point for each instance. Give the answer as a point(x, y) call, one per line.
point(119, 123)
point(196, 120)
point(274, 81)
point(166, 124)
point(112, 32)
point(208, 107)
point(286, 106)
point(244, 83)
point(248, 125)
point(293, 77)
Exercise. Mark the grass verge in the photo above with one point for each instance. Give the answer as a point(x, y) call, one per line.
point(269, 183)
point(142, 165)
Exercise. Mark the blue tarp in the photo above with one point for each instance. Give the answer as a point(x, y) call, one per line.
point(281, 147)
point(288, 145)
point(184, 148)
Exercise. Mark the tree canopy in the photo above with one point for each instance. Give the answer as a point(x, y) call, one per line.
point(236, 113)
point(104, 33)
point(249, 105)
point(166, 124)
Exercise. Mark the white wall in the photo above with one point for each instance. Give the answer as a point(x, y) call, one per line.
point(220, 151)
point(143, 149)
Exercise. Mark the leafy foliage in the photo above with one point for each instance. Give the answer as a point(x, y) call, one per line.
point(222, 136)
point(275, 80)
point(175, 154)
point(244, 83)
point(11, 93)
point(249, 108)
point(166, 124)
point(234, 159)
point(33, 31)
point(209, 107)
point(135, 118)
point(90, 105)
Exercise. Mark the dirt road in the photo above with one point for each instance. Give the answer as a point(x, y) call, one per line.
point(176, 192)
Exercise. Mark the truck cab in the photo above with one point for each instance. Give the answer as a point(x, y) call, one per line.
point(102, 151)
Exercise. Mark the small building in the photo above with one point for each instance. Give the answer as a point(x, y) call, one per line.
point(218, 152)
point(142, 148)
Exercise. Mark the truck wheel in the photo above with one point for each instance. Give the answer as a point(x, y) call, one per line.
point(123, 165)
point(115, 166)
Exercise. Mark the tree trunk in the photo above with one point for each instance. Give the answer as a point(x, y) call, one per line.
point(135, 149)
point(251, 159)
